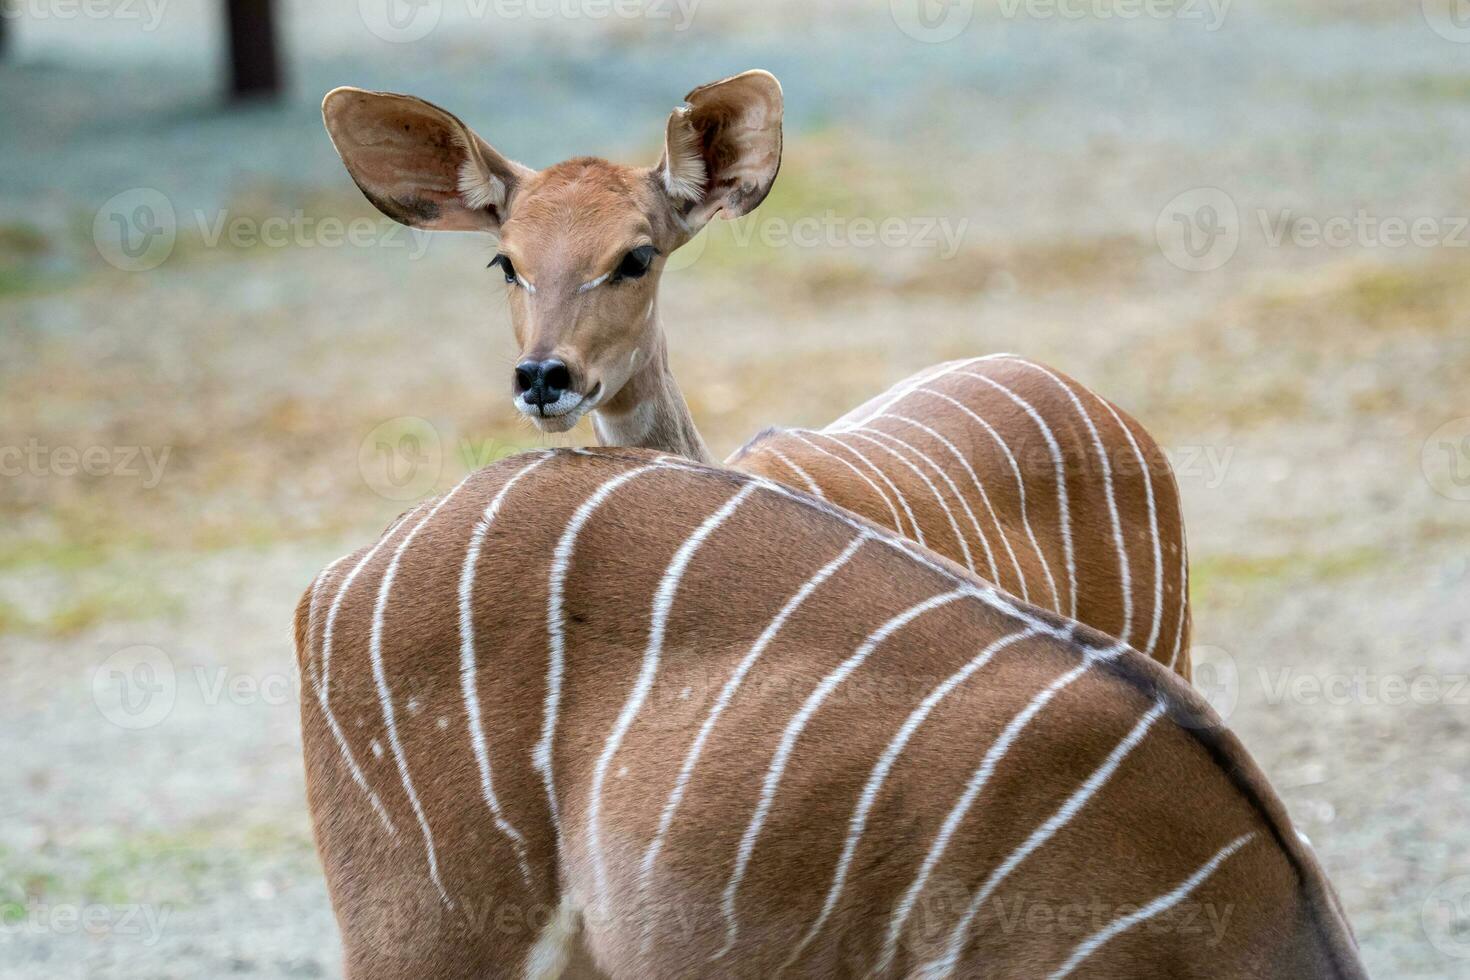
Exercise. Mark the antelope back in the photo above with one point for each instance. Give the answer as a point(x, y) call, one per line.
point(679, 721)
point(1022, 475)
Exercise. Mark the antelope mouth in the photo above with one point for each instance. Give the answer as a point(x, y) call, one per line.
point(562, 414)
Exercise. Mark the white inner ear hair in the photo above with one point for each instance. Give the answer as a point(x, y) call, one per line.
point(683, 175)
point(478, 187)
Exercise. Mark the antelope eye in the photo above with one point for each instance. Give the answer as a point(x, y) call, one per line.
point(635, 263)
point(503, 260)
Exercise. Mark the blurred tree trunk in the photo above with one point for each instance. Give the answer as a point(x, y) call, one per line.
point(254, 67)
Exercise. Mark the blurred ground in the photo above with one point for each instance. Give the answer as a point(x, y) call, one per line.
point(1314, 394)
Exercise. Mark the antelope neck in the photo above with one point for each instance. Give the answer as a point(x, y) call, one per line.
point(649, 412)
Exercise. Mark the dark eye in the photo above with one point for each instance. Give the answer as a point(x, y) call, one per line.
point(635, 263)
point(503, 261)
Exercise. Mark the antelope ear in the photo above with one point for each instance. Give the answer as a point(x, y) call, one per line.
point(722, 148)
point(418, 164)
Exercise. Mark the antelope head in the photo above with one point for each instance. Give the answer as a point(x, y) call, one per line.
point(582, 243)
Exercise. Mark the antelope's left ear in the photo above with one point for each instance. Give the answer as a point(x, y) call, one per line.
point(723, 147)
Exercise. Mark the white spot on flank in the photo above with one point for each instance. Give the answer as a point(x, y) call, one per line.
point(413, 706)
point(377, 748)
point(441, 723)
point(663, 603)
point(684, 694)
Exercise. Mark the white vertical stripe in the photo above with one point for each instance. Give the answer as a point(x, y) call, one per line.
point(945, 966)
point(857, 824)
point(993, 756)
point(1157, 907)
point(806, 477)
point(385, 696)
point(1183, 594)
point(954, 488)
point(787, 744)
point(561, 562)
point(727, 694)
point(903, 502)
point(1000, 528)
point(318, 585)
point(663, 604)
point(1051, 581)
point(905, 388)
point(1064, 513)
point(1153, 527)
point(988, 595)
point(1125, 634)
point(468, 667)
point(897, 521)
point(324, 695)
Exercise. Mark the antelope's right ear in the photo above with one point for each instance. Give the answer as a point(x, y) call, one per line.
point(722, 148)
point(418, 164)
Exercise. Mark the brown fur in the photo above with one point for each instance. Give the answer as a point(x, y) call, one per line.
point(1270, 900)
point(1100, 596)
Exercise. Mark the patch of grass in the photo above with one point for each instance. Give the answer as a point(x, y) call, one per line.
point(170, 868)
point(1209, 573)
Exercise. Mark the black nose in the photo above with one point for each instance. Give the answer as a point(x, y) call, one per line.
point(542, 382)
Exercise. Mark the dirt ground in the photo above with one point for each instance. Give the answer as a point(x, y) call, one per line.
point(188, 440)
